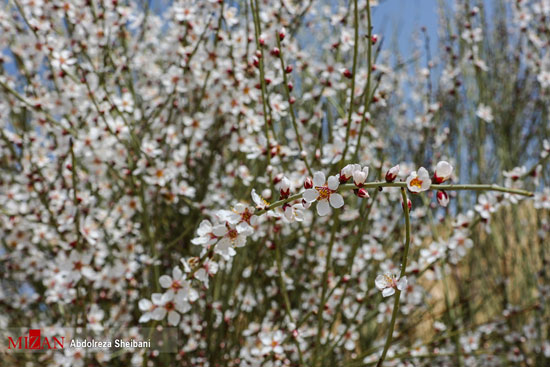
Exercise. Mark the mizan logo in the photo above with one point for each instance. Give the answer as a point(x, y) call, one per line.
point(33, 341)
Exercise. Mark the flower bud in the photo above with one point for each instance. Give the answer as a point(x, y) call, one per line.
point(409, 204)
point(288, 69)
point(278, 178)
point(392, 173)
point(374, 39)
point(275, 52)
point(308, 183)
point(363, 194)
point(442, 198)
point(443, 171)
point(284, 188)
point(347, 73)
point(282, 34)
point(347, 172)
point(266, 193)
point(360, 176)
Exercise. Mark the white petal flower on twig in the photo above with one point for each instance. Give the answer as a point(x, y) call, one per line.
point(324, 193)
point(388, 283)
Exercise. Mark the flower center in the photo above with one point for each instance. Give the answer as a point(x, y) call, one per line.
point(176, 285)
point(232, 234)
point(324, 192)
point(416, 182)
point(246, 215)
point(391, 281)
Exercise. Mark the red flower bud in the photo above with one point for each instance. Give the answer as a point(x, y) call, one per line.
point(282, 34)
point(284, 189)
point(392, 173)
point(278, 178)
point(443, 171)
point(442, 198)
point(374, 39)
point(308, 183)
point(363, 194)
point(347, 73)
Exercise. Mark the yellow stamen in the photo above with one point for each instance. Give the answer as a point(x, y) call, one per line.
point(416, 182)
point(324, 192)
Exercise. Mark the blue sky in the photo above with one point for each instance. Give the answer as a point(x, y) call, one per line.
point(406, 17)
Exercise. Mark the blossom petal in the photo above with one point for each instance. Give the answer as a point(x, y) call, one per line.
point(173, 318)
point(220, 230)
point(204, 228)
point(388, 292)
point(145, 305)
point(402, 283)
point(443, 169)
point(323, 208)
point(318, 179)
point(165, 281)
point(381, 282)
point(156, 298)
point(239, 208)
point(183, 306)
point(145, 317)
point(199, 240)
point(256, 198)
point(423, 173)
point(333, 182)
point(310, 195)
point(177, 273)
point(426, 184)
point(158, 313)
point(336, 200)
point(244, 228)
